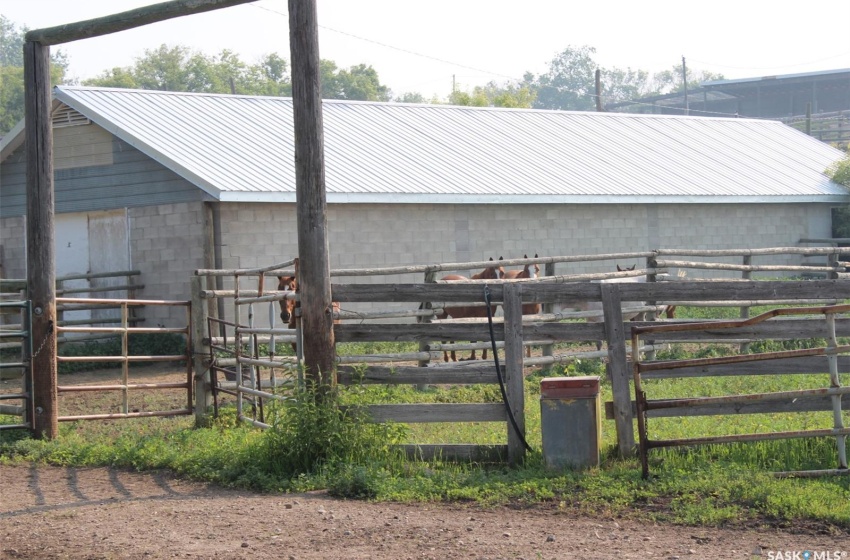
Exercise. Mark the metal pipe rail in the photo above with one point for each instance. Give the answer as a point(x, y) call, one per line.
point(835, 391)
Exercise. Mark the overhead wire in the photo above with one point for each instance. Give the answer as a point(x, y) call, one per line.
point(513, 79)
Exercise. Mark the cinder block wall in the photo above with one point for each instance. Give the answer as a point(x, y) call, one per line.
point(167, 241)
point(167, 246)
point(13, 240)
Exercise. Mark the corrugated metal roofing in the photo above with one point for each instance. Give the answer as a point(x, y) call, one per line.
point(241, 148)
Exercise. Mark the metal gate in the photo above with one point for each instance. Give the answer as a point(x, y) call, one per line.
point(126, 384)
point(785, 401)
point(24, 409)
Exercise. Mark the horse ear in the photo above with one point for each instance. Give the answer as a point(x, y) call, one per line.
point(619, 269)
point(524, 256)
point(535, 255)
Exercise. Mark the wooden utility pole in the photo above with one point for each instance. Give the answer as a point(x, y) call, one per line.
point(313, 252)
point(41, 252)
point(599, 107)
point(685, 82)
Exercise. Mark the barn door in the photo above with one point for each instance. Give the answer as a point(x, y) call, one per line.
point(108, 252)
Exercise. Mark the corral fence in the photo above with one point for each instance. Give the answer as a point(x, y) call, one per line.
point(831, 127)
point(119, 285)
point(817, 322)
point(80, 318)
point(126, 383)
point(17, 404)
point(557, 293)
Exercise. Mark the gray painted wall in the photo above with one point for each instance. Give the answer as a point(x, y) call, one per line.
point(84, 183)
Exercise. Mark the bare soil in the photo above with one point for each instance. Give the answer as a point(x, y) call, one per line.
point(98, 513)
point(53, 513)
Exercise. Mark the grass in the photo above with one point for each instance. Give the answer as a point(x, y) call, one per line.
point(324, 447)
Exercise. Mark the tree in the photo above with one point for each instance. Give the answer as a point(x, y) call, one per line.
point(670, 81)
point(840, 173)
point(570, 82)
point(359, 83)
point(12, 73)
point(178, 68)
point(411, 97)
point(494, 95)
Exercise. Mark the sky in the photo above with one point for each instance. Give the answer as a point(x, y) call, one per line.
point(426, 47)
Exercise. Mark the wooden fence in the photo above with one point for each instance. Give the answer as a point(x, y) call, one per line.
point(513, 330)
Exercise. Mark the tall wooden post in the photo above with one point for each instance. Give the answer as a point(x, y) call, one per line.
point(315, 286)
point(200, 353)
point(618, 368)
point(514, 379)
point(41, 256)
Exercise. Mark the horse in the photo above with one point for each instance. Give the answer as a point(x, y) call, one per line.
point(530, 273)
point(287, 306)
point(492, 272)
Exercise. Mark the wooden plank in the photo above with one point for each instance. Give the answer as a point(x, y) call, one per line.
point(440, 412)
point(472, 373)
point(514, 385)
point(587, 291)
point(126, 20)
point(415, 332)
point(786, 366)
point(776, 329)
point(617, 371)
point(41, 252)
point(457, 452)
point(822, 404)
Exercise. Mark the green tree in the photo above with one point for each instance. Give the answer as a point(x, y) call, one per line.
point(12, 73)
point(570, 82)
point(411, 97)
point(359, 83)
point(670, 81)
point(840, 173)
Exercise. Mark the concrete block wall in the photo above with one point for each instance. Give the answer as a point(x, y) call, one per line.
point(167, 246)
point(13, 240)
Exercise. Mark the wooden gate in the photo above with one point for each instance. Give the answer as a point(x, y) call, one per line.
point(791, 361)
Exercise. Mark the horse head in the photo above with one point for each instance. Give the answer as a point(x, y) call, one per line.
point(286, 284)
point(527, 271)
point(492, 272)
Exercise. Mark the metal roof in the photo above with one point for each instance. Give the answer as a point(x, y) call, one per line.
point(839, 74)
point(241, 148)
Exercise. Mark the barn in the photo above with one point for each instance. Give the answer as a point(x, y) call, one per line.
point(168, 183)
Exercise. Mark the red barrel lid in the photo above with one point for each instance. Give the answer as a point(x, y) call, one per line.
point(569, 387)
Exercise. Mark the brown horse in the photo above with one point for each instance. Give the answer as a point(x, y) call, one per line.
point(464, 312)
point(287, 306)
point(530, 273)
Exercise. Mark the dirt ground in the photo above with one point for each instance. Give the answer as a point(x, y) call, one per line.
point(97, 513)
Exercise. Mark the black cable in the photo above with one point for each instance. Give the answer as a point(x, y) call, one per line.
point(499, 371)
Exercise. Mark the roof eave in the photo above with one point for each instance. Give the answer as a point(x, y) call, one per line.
point(424, 198)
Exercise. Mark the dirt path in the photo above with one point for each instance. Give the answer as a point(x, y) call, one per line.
point(74, 513)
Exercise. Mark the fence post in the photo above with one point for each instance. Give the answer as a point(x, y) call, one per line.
point(548, 349)
point(745, 311)
point(832, 261)
point(200, 351)
point(618, 369)
point(514, 379)
point(652, 264)
point(425, 346)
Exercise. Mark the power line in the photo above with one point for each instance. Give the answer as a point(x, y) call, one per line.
point(406, 51)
